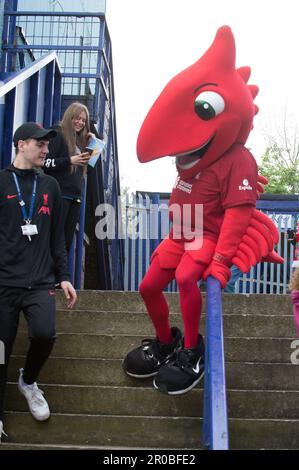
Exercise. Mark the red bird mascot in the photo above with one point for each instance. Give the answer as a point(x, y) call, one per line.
point(202, 118)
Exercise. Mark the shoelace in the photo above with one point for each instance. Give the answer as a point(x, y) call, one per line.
point(150, 346)
point(35, 397)
point(183, 358)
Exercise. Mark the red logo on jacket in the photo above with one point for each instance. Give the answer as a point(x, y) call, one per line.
point(45, 209)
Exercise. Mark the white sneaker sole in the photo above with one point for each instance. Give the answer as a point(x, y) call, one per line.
point(179, 392)
point(146, 376)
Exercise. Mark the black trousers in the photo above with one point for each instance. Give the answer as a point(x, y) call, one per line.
point(39, 310)
point(71, 214)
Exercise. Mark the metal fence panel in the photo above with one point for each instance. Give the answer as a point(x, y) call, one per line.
point(147, 223)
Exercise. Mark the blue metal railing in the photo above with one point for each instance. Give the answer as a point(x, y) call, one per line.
point(82, 43)
point(83, 46)
point(41, 78)
point(22, 93)
point(215, 425)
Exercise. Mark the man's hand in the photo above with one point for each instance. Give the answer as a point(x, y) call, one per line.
point(69, 293)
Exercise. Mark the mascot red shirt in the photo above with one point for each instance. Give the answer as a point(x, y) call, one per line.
point(202, 118)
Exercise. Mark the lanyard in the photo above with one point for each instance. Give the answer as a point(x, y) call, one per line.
point(27, 218)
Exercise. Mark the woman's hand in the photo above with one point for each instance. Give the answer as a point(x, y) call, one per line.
point(90, 135)
point(81, 160)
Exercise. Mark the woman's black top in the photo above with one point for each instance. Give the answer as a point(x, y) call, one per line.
point(58, 165)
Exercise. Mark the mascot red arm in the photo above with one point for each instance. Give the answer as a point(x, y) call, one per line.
point(202, 118)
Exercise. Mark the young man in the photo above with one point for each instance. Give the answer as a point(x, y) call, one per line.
point(32, 259)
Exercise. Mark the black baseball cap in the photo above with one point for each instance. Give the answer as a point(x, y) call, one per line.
point(32, 130)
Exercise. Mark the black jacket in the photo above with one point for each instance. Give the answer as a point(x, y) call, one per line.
point(58, 165)
point(41, 262)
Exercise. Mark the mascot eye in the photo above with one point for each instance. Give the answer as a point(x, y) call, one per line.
point(208, 104)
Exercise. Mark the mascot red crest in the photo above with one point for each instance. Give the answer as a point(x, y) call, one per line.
point(203, 118)
point(202, 111)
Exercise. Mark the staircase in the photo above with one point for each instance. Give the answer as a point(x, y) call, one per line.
point(95, 405)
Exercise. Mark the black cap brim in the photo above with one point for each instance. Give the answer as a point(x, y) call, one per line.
point(44, 134)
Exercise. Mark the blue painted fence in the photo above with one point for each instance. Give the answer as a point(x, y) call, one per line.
point(147, 223)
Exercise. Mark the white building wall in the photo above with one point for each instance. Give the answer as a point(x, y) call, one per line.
point(95, 6)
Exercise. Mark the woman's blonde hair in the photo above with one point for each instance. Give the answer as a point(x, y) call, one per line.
point(73, 138)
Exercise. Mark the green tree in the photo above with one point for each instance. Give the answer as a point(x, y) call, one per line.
point(280, 162)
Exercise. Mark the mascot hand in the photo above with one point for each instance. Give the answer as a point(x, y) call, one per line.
point(258, 243)
point(218, 270)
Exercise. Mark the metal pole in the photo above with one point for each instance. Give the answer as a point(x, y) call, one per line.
point(80, 239)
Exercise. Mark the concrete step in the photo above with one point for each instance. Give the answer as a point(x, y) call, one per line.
point(95, 405)
point(22, 446)
point(126, 323)
point(232, 303)
point(148, 432)
point(116, 347)
point(240, 375)
point(146, 401)
point(95, 430)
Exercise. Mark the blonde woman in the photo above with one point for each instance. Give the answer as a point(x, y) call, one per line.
point(67, 161)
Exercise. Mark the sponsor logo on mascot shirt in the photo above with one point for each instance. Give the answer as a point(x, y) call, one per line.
point(245, 186)
point(183, 186)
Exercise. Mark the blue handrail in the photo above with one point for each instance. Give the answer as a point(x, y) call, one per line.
point(215, 426)
point(16, 78)
point(31, 94)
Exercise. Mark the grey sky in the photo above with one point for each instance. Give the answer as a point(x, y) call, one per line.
point(155, 39)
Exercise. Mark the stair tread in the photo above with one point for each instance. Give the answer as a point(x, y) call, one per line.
point(24, 446)
point(119, 360)
point(95, 405)
point(154, 418)
point(122, 431)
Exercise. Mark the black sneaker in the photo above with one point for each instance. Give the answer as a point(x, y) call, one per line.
point(183, 372)
point(146, 360)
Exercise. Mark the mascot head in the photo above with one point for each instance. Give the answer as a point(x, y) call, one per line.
point(201, 112)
